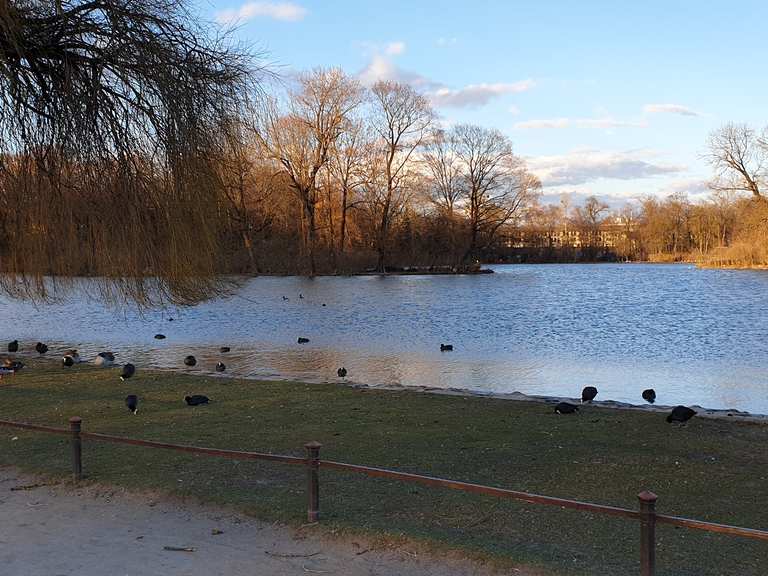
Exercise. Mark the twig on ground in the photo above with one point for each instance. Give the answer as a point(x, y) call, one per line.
point(179, 549)
point(276, 555)
point(29, 487)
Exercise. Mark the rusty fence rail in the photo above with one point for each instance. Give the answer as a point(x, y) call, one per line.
point(646, 514)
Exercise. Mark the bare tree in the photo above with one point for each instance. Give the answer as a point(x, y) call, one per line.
point(497, 183)
point(740, 159)
point(400, 117)
point(248, 184)
point(445, 170)
point(109, 112)
point(588, 218)
point(348, 167)
point(302, 140)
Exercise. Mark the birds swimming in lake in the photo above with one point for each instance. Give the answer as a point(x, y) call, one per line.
point(159, 336)
point(68, 361)
point(190, 360)
point(681, 414)
point(128, 371)
point(132, 402)
point(196, 400)
point(13, 347)
point(342, 372)
point(302, 340)
point(41, 348)
point(224, 349)
point(220, 367)
point(566, 408)
point(104, 359)
point(649, 395)
point(446, 347)
point(588, 394)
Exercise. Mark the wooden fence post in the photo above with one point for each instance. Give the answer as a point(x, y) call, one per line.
point(647, 533)
point(75, 424)
point(313, 481)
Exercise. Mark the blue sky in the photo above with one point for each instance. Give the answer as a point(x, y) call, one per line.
point(612, 98)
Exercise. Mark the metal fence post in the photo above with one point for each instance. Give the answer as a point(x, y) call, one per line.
point(647, 533)
point(75, 424)
point(313, 481)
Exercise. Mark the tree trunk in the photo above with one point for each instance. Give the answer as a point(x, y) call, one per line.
point(470, 252)
point(381, 243)
point(343, 231)
point(331, 232)
point(310, 234)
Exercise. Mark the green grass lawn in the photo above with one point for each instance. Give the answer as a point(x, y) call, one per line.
point(712, 470)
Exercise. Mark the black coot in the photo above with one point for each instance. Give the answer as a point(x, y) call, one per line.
point(588, 394)
point(132, 402)
point(128, 371)
point(566, 408)
point(196, 400)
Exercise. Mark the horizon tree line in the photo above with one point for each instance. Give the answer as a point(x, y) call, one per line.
point(148, 150)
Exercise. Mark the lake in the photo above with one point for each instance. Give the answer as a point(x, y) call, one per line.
point(696, 336)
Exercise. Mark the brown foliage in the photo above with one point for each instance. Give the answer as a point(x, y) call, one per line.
point(110, 115)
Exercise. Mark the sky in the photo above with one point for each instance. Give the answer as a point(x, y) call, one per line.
point(604, 97)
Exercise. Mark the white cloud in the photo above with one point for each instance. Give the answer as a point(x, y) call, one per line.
point(669, 109)
point(514, 110)
point(603, 122)
point(383, 68)
point(443, 41)
point(587, 165)
point(286, 11)
point(475, 95)
point(394, 48)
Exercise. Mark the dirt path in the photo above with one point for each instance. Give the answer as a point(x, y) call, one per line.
point(61, 530)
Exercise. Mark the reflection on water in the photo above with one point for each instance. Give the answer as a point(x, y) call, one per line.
point(697, 336)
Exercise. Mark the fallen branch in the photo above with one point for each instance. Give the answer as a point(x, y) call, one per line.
point(268, 553)
point(29, 487)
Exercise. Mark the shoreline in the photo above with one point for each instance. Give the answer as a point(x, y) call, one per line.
point(725, 414)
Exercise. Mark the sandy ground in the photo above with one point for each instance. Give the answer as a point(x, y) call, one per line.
point(64, 530)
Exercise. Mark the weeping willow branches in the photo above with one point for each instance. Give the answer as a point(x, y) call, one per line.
point(111, 116)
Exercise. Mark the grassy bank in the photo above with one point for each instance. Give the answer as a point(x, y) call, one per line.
point(714, 470)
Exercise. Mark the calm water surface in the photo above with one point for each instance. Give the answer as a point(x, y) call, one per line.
point(696, 336)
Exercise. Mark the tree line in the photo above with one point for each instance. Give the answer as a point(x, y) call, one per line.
point(148, 150)
point(366, 178)
point(727, 228)
point(143, 148)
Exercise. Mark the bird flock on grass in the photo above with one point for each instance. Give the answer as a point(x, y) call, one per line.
point(679, 414)
point(106, 359)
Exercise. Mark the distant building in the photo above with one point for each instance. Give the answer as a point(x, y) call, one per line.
point(610, 234)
